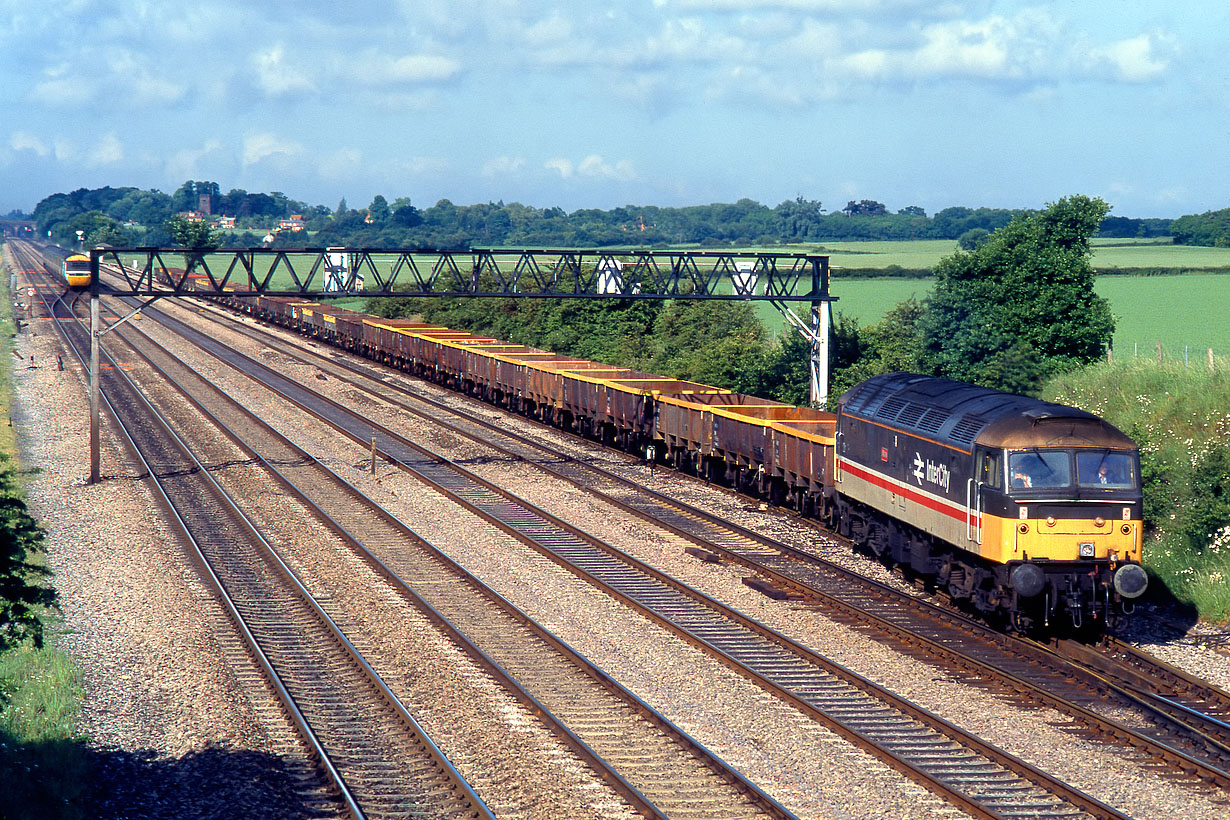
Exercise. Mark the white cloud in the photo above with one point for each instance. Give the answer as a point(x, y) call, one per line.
point(592, 167)
point(503, 166)
point(106, 150)
point(343, 163)
point(561, 166)
point(258, 148)
point(384, 69)
point(138, 84)
point(60, 88)
point(595, 166)
point(1135, 60)
point(189, 163)
point(276, 77)
point(422, 166)
point(743, 6)
point(24, 141)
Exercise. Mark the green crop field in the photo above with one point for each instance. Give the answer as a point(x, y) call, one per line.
point(1122, 254)
point(1180, 310)
point(1183, 310)
point(922, 253)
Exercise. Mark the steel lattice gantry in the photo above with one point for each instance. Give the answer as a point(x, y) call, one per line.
point(544, 272)
point(315, 273)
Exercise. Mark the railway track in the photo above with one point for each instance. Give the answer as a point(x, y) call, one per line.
point(967, 771)
point(760, 558)
point(658, 768)
point(1176, 721)
point(371, 754)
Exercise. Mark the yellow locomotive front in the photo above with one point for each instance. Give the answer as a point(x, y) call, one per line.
point(1062, 509)
point(77, 271)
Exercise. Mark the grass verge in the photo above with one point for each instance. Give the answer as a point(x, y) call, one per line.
point(42, 758)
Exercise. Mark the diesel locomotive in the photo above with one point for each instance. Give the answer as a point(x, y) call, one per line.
point(1020, 507)
point(1027, 511)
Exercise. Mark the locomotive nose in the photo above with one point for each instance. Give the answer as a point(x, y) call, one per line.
point(1130, 581)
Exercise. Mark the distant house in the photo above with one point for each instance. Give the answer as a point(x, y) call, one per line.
point(192, 216)
point(294, 223)
point(226, 222)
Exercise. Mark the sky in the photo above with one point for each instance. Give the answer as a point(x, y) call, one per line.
point(584, 104)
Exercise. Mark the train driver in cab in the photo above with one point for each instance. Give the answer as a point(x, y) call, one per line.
point(1021, 480)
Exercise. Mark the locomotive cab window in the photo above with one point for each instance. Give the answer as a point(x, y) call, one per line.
point(78, 265)
point(988, 468)
point(1040, 469)
point(1102, 468)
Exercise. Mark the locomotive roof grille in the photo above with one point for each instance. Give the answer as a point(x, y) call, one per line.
point(889, 410)
point(967, 429)
point(933, 420)
point(912, 413)
point(959, 414)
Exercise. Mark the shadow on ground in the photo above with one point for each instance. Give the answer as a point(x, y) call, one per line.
point(65, 780)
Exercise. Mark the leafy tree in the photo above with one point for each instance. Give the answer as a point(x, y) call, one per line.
point(888, 346)
point(950, 223)
point(972, 238)
point(1126, 227)
point(379, 209)
point(407, 216)
point(787, 369)
point(798, 219)
point(912, 210)
point(193, 235)
point(714, 342)
point(1021, 306)
point(1211, 228)
point(865, 207)
point(22, 596)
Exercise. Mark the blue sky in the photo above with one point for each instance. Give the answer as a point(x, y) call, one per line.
point(595, 105)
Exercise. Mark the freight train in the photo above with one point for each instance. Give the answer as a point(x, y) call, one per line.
point(1026, 511)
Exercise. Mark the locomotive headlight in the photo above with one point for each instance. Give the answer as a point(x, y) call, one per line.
point(1086, 549)
point(1050, 520)
point(1126, 529)
point(1099, 521)
point(1022, 528)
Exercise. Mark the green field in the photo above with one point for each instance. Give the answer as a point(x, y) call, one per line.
point(1180, 311)
point(1122, 254)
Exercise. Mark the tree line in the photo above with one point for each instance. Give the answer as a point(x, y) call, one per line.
point(131, 216)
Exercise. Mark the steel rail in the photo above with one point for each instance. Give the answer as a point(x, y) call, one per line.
point(275, 679)
point(770, 806)
point(1208, 734)
point(362, 431)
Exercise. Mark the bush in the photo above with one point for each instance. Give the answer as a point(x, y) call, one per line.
point(23, 596)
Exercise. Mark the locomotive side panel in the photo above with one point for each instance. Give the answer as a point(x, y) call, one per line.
point(917, 481)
